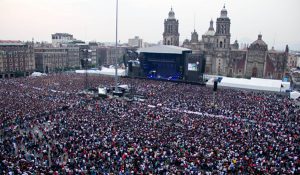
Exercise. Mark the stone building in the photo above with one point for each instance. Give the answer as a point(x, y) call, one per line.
point(256, 58)
point(226, 59)
point(16, 58)
point(106, 55)
point(1, 61)
point(93, 47)
point(52, 59)
point(135, 42)
point(171, 35)
point(295, 78)
point(292, 61)
point(73, 61)
point(61, 38)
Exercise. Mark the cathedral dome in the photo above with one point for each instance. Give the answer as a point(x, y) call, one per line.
point(171, 14)
point(259, 44)
point(210, 33)
point(211, 30)
point(259, 41)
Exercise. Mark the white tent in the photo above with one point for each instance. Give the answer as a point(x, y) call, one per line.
point(294, 94)
point(37, 74)
point(253, 83)
point(103, 71)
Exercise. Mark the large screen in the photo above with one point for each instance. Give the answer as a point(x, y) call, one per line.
point(102, 91)
point(192, 67)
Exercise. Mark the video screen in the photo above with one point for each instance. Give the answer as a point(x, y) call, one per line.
point(192, 67)
point(102, 91)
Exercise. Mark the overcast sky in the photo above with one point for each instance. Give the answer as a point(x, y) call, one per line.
point(276, 20)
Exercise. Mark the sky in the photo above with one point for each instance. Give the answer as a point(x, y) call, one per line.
point(94, 20)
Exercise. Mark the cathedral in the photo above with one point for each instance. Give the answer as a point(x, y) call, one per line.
point(226, 59)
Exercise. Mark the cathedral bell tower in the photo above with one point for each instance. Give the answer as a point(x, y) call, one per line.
point(171, 35)
point(222, 34)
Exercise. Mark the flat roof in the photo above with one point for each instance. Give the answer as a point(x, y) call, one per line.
point(164, 49)
point(11, 43)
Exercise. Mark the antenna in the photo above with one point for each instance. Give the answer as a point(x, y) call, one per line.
point(274, 40)
point(194, 21)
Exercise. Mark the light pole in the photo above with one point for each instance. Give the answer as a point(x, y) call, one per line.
point(85, 65)
point(116, 49)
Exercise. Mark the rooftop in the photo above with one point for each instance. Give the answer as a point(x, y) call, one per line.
point(164, 49)
point(63, 34)
point(11, 43)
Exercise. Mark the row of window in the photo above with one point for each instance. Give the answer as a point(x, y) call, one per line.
point(6, 69)
point(170, 29)
point(222, 29)
point(11, 64)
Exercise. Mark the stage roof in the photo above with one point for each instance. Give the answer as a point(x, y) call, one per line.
point(164, 49)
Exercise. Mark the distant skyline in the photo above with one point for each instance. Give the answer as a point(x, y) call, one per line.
point(94, 20)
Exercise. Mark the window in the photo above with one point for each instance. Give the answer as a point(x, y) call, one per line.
point(254, 72)
point(221, 44)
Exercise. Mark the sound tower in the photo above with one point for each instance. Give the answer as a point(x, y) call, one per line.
point(215, 85)
point(130, 66)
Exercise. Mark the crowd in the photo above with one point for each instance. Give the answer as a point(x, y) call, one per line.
point(46, 127)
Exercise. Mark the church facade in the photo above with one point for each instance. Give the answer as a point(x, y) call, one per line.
point(226, 59)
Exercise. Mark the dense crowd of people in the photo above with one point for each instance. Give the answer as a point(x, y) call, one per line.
point(47, 127)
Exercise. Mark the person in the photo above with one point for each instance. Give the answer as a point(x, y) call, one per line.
point(251, 133)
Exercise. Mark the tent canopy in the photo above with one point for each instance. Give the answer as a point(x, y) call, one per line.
point(37, 74)
point(294, 94)
point(253, 83)
point(103, 71)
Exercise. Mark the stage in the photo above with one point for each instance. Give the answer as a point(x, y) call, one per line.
point(171, 63)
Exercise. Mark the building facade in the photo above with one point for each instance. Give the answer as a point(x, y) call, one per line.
point(106, 55)
point(73, 61)
point(16, 58)
point(292, 61)
point(49, 60)
point(295, 78)
point(226, 59)
point(61, 38)
point(93, 47)
point(171, 34)
point(135, 42)
point(1, 62)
